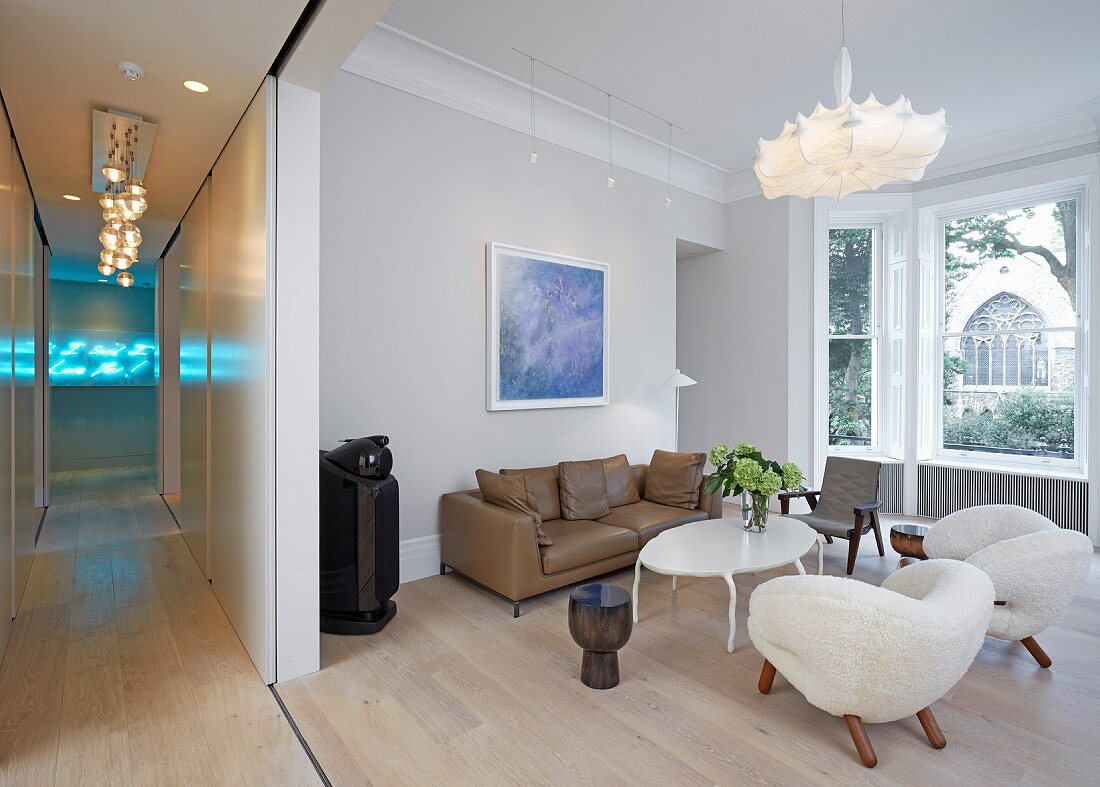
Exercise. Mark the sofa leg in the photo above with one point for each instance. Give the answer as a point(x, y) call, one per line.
point(1036, 651)
point(878, 534)
point(442, 569)
point(853, 548)
point(863, 743)
point(828, 539)
point(515, 610)
point(931, 728)
point(767, 677)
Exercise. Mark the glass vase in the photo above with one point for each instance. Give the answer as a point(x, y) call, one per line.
point(758, 521)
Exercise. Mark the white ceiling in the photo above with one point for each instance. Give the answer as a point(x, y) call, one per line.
point(732, 72)
point(58, 62)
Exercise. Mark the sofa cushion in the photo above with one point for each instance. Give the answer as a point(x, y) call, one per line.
point(648, 519)
point(582, 490)
point(674, 478)
point(544, 482)
point(512, 491)
point(622, 489)
point(578, 542)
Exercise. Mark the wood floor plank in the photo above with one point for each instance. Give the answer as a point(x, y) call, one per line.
point(122, 669)
point(686, 711)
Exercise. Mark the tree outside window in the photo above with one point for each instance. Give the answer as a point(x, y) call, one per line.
point(853, 338)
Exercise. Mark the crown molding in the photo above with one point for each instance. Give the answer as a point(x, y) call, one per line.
point(396, 59)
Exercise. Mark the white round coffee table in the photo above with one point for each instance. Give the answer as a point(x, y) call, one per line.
point(722, 548)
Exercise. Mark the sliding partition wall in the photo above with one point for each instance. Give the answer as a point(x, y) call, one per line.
point(7, 166)
point(23, 234)
point(190, 254)
point(225, 255)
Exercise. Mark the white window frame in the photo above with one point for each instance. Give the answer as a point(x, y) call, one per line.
point(1078, 189)
point(877, 223)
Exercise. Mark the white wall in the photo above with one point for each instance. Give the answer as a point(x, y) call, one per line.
point(411, 193)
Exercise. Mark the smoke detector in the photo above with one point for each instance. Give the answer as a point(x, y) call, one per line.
point(131, 71)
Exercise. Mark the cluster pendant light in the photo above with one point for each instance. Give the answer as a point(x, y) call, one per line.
point(123, 204)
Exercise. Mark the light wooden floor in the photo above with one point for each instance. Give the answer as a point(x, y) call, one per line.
point(122, 667)
point(456, 691)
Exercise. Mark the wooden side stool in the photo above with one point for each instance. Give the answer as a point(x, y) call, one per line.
point(600, 622)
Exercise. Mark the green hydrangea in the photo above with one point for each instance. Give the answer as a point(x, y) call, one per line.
point(742, 450)
point(792, 475)
point(719, 454)
point(746, 473)
point(769, 483)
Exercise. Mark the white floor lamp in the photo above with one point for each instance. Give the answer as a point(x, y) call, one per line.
point(678, 381)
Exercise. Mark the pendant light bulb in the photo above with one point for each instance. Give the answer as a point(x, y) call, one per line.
point(610, 182)
point(533, 158)
point(109, 237)
point(668, 201)
point(129, 234)
point(107, 201)
point(126, 279)
point(114, 170)
point(106, 269)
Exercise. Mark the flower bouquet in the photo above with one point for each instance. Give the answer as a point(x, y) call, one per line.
point(744, 470)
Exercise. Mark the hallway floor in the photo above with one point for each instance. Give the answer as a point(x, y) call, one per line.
point(122, 668)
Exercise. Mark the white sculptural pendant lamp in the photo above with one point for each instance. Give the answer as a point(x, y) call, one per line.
point(678, 380)
point(853, 147)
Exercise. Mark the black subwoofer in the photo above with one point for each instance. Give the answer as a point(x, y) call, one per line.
point(359, 537)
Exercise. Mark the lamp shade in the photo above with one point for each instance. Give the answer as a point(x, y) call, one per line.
point(678, 380)
point(853, 147)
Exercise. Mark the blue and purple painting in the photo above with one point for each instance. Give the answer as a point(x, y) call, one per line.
point(551, 329)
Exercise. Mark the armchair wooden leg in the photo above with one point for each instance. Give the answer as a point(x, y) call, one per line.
point(931, 728)
point(878, 533)
point(863, 743)
point(853, 543)
point(767, 677)
point(828, 539)
point(1036, 652)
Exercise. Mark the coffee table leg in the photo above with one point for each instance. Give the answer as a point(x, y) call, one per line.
point(733, 611)
point(637, 580)
point(799, 567)
point(820, 554)
point(674, 582)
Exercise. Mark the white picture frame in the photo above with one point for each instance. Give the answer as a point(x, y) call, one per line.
point(592, 335)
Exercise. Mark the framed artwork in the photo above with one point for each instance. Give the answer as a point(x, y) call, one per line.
point(547, 329)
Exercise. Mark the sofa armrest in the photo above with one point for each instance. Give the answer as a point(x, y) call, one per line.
point(711, 502)
point(488, 543)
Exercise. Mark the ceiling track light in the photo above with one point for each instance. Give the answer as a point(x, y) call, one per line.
point(533, 157)
point(610, 148)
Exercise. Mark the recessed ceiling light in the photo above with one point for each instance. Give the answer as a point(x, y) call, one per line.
point(72, 197)
point(197, 87)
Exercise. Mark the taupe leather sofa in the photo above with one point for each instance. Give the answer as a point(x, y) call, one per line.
point(497, 548)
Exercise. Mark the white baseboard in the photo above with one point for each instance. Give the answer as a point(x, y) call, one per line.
point(419, 557)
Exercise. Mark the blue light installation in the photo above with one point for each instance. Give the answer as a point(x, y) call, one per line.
point(102, 358)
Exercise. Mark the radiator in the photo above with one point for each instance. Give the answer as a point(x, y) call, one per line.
point(942, 490)
point(891, 487)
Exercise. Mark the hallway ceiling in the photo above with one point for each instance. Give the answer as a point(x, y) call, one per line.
point(58, 61)
point(732, 72)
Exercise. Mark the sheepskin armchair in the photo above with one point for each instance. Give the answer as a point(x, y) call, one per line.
point(844, 643)
point(1036, 567)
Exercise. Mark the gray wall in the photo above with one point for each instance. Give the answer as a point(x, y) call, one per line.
point(744, 331)
point(411, 193)
point(108, 426)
